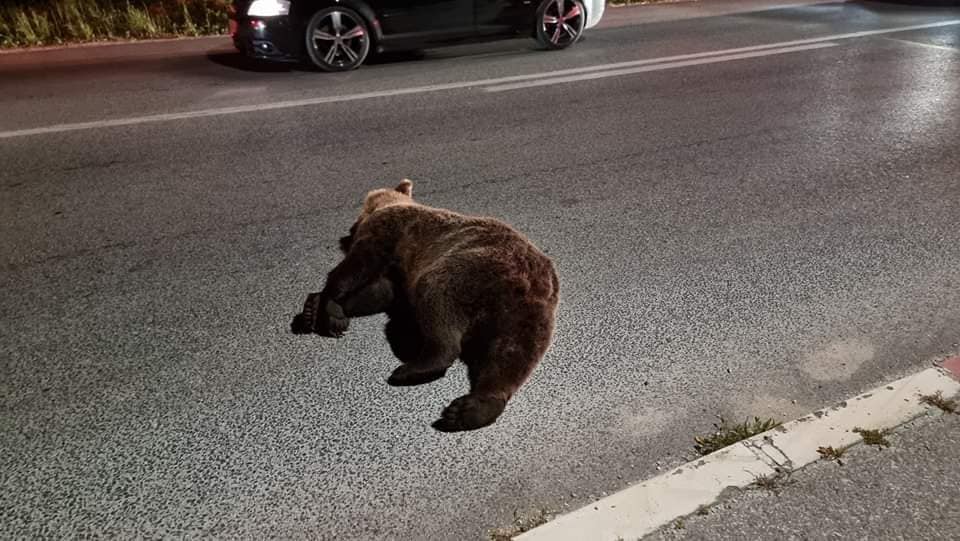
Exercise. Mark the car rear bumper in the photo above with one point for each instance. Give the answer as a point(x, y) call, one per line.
point(595, 9)
point(266, 38)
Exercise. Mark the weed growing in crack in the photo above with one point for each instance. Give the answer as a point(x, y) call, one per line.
point(874, 437)
point(947, 405)
point(833, 453)
point(728, 434)
point(773, 482)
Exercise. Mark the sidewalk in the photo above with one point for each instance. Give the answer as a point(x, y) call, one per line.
point(909, 490)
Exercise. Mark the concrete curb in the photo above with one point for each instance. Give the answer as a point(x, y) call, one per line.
point(649, 505)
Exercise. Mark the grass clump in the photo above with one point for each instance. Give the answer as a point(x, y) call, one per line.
point(772, 482)
point(25, 23)
point(728, 434)
point(948, 405)
point(832, 453)
point(874, 437)
point(768, 482)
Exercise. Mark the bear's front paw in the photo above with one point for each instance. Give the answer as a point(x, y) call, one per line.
point(337, 321)
point(316, 318)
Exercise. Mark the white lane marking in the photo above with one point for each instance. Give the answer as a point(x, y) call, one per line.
point(643, 508)
point(925, 45)
point(166, 117)
point(657, 67)
point(59, 128)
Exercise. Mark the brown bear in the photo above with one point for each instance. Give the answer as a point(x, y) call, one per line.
point(453, 286)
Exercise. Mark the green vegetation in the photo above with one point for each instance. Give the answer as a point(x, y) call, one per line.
point(728, 434)
point(49, 22)
point(833, 453)
point(874, 437)
point(773, 482)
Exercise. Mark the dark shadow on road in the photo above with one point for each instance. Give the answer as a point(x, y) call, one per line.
point(238, 61)
point(396, 57)
point(241, 62)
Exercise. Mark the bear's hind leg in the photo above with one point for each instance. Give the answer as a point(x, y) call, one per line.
point(496, 372)
point(439, 345)
point(436, 356)
point(403, 335)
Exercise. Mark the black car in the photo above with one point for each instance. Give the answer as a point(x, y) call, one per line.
point(338, 35)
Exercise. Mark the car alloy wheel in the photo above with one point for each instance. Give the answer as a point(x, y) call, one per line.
point(337, 39)
point(560, 23)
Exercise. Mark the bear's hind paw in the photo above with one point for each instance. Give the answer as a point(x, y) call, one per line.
point(470, 412)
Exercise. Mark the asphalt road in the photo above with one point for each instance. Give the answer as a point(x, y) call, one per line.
point(736, 235)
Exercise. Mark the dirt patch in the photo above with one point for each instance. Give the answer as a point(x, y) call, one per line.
point(645, 420)
point(838, 360)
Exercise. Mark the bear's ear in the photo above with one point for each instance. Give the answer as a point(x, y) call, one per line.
point(405, 187)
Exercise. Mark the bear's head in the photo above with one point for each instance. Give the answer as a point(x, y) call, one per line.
point(387, 197)
point(378, 199)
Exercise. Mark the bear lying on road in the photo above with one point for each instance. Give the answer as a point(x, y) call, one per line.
point(452, 286)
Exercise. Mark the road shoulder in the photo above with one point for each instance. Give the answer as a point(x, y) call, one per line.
point(764, 459)
point(908, 489)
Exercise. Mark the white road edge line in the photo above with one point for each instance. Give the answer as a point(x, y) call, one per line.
point(645, 507)
point(657, 67)
point(925, 45)
point(166, 117)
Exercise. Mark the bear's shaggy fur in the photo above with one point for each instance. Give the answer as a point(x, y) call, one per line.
point(452, 286)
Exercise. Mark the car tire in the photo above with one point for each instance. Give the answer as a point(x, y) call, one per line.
point(337, 39)
point(559, 23)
